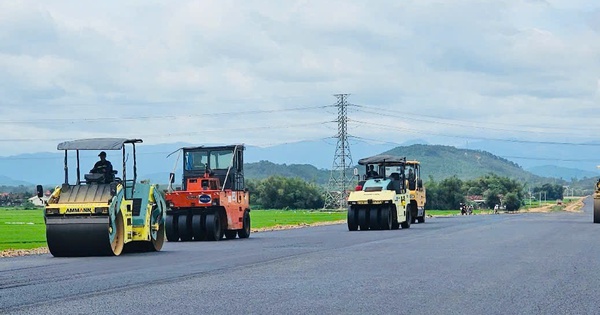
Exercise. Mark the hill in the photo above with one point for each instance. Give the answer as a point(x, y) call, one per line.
point(566, 173)
point(437, 161)
point(440, 162)
point(7, 181)
point(264, 169)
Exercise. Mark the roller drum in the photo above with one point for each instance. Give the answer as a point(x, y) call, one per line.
point(84, 236)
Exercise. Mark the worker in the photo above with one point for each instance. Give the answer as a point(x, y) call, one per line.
point(103, 167)
point(371, 172)
point(411, 175)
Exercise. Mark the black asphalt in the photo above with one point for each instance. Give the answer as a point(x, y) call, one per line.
point(487, 264)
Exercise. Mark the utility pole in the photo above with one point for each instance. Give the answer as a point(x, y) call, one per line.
point(339, 182)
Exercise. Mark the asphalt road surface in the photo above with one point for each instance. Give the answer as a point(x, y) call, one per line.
point(486, 264)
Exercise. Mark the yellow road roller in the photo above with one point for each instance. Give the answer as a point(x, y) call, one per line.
point(103, 214)
point(381, 201)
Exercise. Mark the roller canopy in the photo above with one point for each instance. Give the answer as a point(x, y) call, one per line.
point(383, 158)
point(219, 147)
point(96, 144)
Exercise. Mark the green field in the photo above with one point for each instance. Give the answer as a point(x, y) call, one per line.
point(25, 229)
point(22, 229)
point(271, 218)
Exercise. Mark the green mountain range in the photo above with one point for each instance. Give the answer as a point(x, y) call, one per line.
point(441, 162)
point(437, 161)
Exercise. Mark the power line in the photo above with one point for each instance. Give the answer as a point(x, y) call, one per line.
point(191, 133)
point(418, 131)
point(161, 117)
point(461, 123)
point(548, 159)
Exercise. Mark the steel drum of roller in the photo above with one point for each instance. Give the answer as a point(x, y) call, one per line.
point(84, 236)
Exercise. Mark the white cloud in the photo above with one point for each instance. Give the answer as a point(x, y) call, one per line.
point(500, 62)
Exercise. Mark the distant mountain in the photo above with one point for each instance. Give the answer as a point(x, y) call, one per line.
point(441, 162)
point(561, 172)
point(584, 157)
point(264, 169)
point(152, 163)
point(317, 153)
point(7, 181)
point(307, 160)
point(438, 161)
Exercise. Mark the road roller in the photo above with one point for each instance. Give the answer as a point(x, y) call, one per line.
point(212, 201)
point(381, 199)
point(103, 214)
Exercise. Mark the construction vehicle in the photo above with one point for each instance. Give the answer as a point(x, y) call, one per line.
point(381, 200)
point(103, 215)
point(212, 201)
point(597, 202)
point(417, 191)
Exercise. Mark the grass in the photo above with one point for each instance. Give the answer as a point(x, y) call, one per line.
point(22, 229)
point(271, 218)
point(25, 229)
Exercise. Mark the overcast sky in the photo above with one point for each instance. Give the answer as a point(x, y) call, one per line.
point(263, 72)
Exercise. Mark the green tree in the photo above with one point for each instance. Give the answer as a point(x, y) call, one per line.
point(279, 192)
point(445, 195)
point(512, 202)
point(553, 191)
point(494, 187)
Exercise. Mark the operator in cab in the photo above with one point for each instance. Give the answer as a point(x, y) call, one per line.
point(371, 172)
point(103, 167)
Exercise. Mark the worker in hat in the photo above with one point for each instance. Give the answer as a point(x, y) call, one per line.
point(103, 167)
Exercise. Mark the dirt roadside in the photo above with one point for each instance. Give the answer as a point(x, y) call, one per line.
point(574, 206)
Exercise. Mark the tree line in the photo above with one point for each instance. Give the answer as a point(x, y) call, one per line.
point(489, 190)
point(278, 192)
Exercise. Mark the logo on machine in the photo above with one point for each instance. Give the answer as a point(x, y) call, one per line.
point(204, 198)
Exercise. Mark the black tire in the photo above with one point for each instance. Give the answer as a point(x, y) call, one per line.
point(395, 223)
point(184, 226)
point(213, 227)
point(421, 219)
point(198, 230)
point(230, 234)
point(413, 213)
point(352, 219)
point(171, 228)
point(245, 231)
point(374, 219)
point(406, 224)
point(363, 219)
point(386, 219)
point(596, 210)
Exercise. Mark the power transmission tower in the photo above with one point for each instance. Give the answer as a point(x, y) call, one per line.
point(339, 183)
